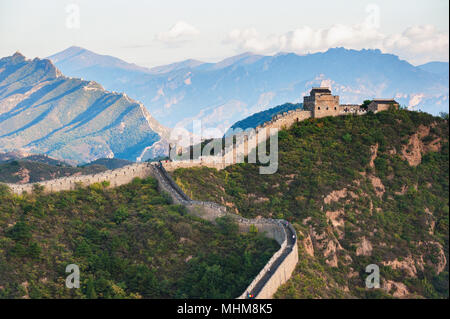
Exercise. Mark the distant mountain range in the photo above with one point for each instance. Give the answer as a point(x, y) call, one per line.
point(42, 111)
point(223, 93)
point(435, 67)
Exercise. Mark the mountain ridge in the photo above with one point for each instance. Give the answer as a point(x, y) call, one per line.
point(225, 92)
point(43, 111)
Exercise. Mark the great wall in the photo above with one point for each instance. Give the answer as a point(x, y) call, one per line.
point(320, 103)
point(245, 143)
point(275, 273)
point(282, 264)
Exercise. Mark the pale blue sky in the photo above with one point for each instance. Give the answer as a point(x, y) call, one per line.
point(154, 32)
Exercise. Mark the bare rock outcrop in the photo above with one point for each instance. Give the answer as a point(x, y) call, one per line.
point(373, 156)
point(407, 264)
point(377, 185)
point(397, 289)
point(413, 151)
point(308, 245)
point(334, 196)
point(364, 248)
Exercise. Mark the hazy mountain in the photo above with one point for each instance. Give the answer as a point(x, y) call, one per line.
point(435, 67)
point(76, 58)
point(225, 92)
point(176, 66)
point(42, 111)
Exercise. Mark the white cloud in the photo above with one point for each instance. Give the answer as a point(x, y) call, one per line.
point(180, 32)
point(417, 44)
point(415, 100)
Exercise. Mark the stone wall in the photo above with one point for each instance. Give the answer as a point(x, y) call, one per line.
point(116, 177)
point(271, 276)
point(326, 105)
point(281, 275)
point(173, 165)
point(246, 142)
point(286, 119)
point(206, 210)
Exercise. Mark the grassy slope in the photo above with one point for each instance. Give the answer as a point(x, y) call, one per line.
point(129, 242)
point(320, 156)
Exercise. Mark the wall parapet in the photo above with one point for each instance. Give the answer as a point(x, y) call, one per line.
point(117, 177)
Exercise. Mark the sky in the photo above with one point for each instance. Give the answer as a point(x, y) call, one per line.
point(154, 32)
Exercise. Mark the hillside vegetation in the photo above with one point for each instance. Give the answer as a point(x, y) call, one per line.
point(129, 242)
point(360, 190)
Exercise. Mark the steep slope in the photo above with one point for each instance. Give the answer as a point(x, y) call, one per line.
point(223, 93)
point(42, 111)
point(360, 190)
point(264, 116)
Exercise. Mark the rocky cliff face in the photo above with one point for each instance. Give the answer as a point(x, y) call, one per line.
point(42, 111)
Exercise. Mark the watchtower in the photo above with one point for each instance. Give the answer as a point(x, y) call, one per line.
point(321, 102)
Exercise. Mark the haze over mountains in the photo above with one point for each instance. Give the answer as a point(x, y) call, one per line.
point(43, 111)
point(228, 91)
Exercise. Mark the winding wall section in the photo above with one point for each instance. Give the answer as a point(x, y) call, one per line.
point(277, 270)
point(275, 273)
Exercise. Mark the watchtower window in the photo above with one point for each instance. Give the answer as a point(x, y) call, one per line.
point(327, 108)
point(318, 108)
point(335, 108)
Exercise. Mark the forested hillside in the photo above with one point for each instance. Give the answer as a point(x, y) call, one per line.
point(360, 190)
point(129, 242)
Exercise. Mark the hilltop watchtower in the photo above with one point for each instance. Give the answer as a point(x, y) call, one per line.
point(378, 105)
point(321, 102)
